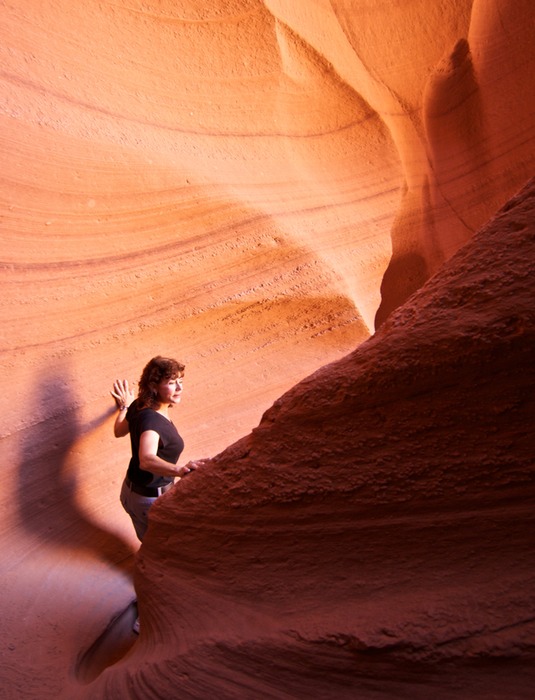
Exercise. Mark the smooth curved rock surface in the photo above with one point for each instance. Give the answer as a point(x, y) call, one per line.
point(373, 536)
point(250, 186)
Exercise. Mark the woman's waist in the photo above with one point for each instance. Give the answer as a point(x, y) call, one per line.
point(141, 477)
point(149, 491)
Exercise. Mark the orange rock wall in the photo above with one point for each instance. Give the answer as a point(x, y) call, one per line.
point(373, 537)
point(249, 186)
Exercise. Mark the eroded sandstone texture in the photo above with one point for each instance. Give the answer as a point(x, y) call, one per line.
point(373, 536)
point(252, 187)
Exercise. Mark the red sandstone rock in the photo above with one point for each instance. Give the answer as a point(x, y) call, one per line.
point(244, 185)
point(375, 532)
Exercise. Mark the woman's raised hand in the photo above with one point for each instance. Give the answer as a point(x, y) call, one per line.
point(122, 393)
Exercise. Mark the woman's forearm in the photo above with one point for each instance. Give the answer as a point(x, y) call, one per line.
point(157, 465)
point(123, 395)
point(121, 427)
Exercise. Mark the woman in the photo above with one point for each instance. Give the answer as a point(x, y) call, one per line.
point(155, 441)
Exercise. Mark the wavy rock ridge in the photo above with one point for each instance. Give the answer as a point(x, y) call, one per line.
point(250, 186)
point(374, 534)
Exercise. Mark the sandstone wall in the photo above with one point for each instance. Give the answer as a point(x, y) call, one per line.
point(249, 186)
point(373, 536)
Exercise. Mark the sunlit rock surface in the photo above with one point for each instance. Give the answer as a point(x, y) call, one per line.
point(373, 536)
point(249, 186)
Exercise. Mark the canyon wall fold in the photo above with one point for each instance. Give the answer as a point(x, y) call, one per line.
point(373, 536)
point(252, 187)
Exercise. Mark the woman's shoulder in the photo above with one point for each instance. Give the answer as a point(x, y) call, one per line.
point(141, 414)
point(149, 417)
point(133, 410)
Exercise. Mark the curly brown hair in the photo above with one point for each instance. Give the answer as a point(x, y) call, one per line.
point(155, 371)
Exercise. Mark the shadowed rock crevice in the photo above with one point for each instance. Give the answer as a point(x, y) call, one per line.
point(111, 646)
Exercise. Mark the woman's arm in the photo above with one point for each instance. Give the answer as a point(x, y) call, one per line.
point(123, 396)
point(121, 426)
point(149, 460)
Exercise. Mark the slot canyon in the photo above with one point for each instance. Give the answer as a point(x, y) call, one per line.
point(326, 210)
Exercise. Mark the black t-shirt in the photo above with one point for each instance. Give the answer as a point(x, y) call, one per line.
point(170, 444)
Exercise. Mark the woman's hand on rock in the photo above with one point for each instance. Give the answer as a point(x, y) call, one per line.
point(122, 393)
point(193, 466)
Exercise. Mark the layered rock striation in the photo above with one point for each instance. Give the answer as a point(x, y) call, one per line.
point(250, 186)
point(373, 536)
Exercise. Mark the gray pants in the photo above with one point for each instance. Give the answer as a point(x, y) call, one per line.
point(137, 507)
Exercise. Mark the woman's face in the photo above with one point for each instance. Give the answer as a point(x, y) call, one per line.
point(169, 391)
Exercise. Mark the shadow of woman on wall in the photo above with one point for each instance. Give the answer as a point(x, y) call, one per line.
point(47, 485)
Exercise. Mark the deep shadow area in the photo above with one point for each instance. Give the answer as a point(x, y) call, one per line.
point(116, 640)
point(47, 487)
point(404, 275)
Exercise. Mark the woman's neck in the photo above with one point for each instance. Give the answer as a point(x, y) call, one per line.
point(162, 408)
